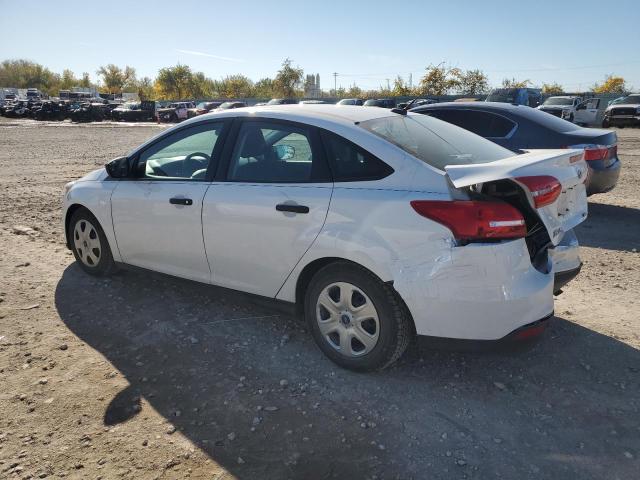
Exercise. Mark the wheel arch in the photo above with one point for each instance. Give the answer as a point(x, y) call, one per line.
point(73, 208)
point(311, 268)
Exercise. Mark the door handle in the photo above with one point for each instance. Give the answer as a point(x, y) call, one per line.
point(180, 201)
point(285, 207)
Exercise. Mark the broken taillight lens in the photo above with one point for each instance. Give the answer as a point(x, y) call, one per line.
point(474, 220)
point(544, 189)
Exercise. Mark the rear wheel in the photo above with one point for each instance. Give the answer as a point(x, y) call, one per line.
point(89, 244)
point(358, 321)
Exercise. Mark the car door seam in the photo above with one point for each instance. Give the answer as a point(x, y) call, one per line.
point(113, 225)
point(204, 244)
point(310, 244)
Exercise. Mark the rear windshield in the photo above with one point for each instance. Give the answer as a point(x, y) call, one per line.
point(503, 95)
point(436, 142)
point(558, 101)
point(631, 99)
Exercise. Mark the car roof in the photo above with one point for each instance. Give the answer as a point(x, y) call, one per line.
point(305, 111)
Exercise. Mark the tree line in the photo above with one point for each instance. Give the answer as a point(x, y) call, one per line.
point(180, 82)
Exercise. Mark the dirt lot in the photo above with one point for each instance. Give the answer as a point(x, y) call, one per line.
point(145, 376)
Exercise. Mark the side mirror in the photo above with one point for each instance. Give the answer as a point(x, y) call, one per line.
point(118, 167)
point(284, 152)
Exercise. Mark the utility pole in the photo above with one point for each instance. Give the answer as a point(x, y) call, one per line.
point(388, 85)
point(335, 83)
point(411, 81)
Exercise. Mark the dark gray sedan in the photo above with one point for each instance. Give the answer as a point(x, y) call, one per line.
point(518, 127)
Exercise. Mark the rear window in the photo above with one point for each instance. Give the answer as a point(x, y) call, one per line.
point(435, 142)
point(544, 119)
point(631, 99)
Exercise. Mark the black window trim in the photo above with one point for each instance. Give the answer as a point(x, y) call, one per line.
point(324, 133)
point(218, 150)
point(482, 110)
point(317, 150)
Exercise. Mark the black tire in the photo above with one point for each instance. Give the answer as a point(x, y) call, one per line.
point(100, 261)
point(605, 124)
point(394, 320)
point(571, 118)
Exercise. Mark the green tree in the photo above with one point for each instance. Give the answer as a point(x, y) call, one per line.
point(145, 89)
point(552, 88)
point(439, 80)
point(115, 79)
point(263, 88)
point(400, 88)
point(354, 91)
point(174, 83)
point(237, 86)
point(68, 80)
point(513, 83)
point(472, 82)
point(22, 73)
point(611, 84)
point(288, 80)
point(86, 80)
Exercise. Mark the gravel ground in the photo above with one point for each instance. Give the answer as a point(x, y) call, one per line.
point(146, 376)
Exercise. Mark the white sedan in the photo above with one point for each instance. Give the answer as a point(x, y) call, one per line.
point(377, 224)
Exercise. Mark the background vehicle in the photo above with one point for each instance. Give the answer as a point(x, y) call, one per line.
point(517, 96)
point(624, 113)
point(519, 128)
point(135, 112)
point(282, 101)
point(312, 102)
point(561, 106)
point(380, 102)
point(418, 102)
point(175, 112)
point(587, 112)
point(350, 101)
point(89, 112)
point(288, 223)
point(205, 107)
point(230, 106)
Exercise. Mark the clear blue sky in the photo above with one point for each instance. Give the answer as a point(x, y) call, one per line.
point(571, 42)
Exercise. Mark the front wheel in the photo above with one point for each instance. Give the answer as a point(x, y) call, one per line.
point(358, 321)
point(89, 244)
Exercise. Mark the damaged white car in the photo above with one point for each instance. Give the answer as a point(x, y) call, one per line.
point(377, 224)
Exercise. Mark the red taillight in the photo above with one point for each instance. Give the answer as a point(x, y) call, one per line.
point(474, 220)
point(544, 189)
point(596, 153)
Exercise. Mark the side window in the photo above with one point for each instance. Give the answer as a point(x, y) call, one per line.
point(185, 154)
point(351, 163)
point(481, 123)
point(270, 152)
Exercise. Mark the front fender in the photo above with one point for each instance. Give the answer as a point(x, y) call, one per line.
point(95, 196)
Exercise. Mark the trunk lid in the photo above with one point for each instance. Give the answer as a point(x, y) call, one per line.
point(567, 166)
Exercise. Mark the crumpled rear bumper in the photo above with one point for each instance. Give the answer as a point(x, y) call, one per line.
point(481, 291)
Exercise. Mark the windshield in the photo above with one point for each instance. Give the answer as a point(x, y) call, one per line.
point(227, 105)
point(504, 95)
point(435, 142)
point(558, 101)
point(635, 99)
point(372, 103)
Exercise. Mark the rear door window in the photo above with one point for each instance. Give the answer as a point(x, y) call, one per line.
point(350, 163)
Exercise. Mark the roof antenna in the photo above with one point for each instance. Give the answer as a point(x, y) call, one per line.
point(405, 109)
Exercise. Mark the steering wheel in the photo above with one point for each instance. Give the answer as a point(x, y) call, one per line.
point(195, 161)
